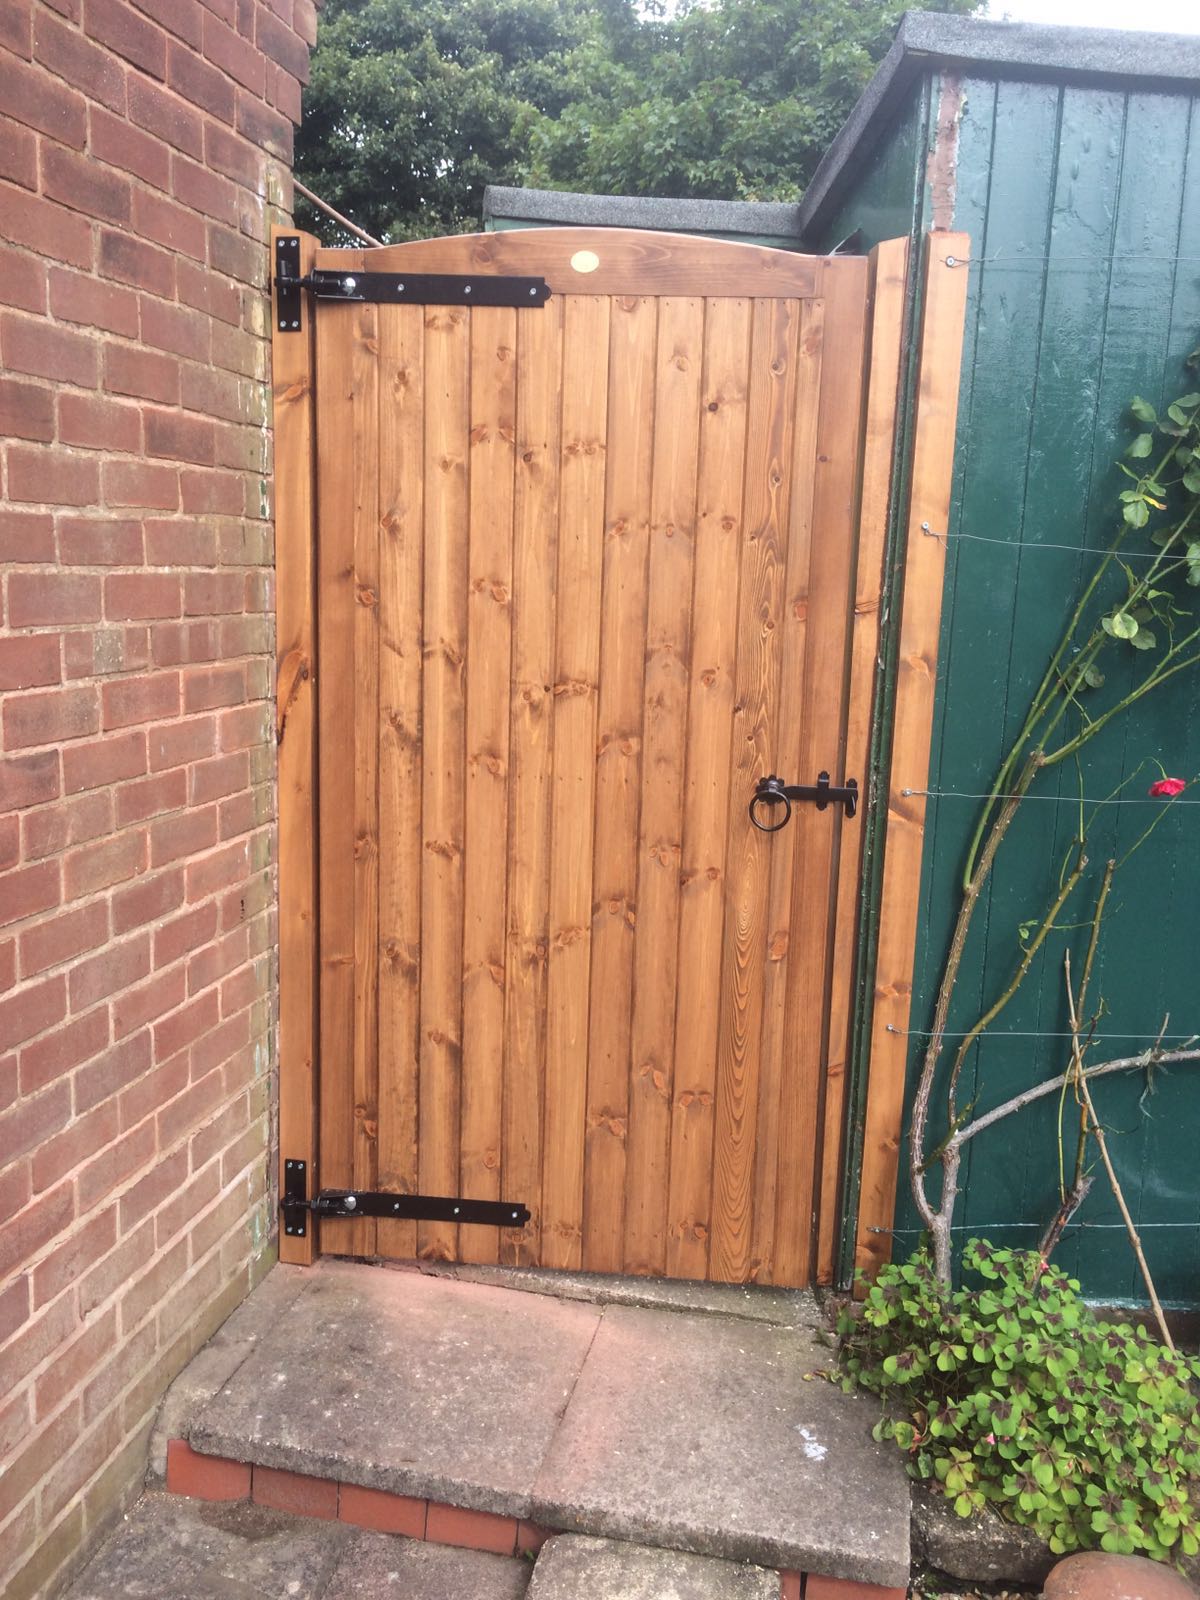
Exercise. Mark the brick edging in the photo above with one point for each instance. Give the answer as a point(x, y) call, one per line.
point(203, 1477)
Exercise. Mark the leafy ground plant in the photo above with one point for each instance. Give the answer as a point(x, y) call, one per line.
point(1012, 1393)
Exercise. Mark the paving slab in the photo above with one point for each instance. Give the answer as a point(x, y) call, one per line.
point(191, 1550)
point(716, 1436)
point(574, 1566)
point(789, 1308)
point(398, 1381)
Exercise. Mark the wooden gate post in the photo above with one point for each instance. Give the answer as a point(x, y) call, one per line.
point(295, 724)
point(944, 301)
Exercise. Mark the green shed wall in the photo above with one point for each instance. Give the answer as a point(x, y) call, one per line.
point(1083, 205)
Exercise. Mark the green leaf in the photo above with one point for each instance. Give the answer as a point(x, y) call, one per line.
point(1143, 640)
point(1191, 480)
point(1141, 446)
point(1120, 625)
point(1143, 410)
point(1137, 513)
point(1092, 676)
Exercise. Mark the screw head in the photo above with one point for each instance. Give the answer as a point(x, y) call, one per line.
point(351, 1203)
point(466, 288)
point(349, 284)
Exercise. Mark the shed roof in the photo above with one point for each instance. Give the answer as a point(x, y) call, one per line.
point(731, 219)
point(995, 49)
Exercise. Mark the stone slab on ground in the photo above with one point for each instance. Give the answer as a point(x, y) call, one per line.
point(193, 1550)
point(979, 1549)
point(572, 1567)
point(712, 1435)
point(789, 1308)
point(412, 1384)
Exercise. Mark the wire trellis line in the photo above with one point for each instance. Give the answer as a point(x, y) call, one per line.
point(1061, 261)
point(980, 1227)
point(1037, 1033)
point(1052, 799)
point(1071, 549)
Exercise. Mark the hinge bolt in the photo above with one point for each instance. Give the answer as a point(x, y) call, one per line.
point(351, 1202)
point(349, 284)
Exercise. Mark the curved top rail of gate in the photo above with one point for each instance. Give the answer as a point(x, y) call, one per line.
point(610, 261)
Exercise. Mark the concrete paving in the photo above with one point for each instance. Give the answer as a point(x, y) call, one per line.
point(709, 1433)
point(412, 1384)
point(191, 1550)
point(714, 1435)
point(573, 1567)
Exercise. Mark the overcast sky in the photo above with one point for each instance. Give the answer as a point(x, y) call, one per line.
point(1156, 16)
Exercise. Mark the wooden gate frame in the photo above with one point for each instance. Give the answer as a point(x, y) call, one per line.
point(937, 360)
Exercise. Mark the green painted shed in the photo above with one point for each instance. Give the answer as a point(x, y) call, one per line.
point(1072, 159)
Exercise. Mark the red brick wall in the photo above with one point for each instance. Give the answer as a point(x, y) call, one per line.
point(144, 152)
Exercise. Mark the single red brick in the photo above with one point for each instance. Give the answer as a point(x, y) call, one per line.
point(62, 938)
point(224, 775)
point(383, 1512)
point(99, 541)
point(243, 726)
point(178, 436)
point(219, 493)
point(99, 866)
point(205, 1477)
point(65, 1152)
point(182, 835)
point(18, 154)
point(185, 1026)
point(32, 346)
point(117, 967)
point(98, 424)
point(166, 115)
point(10, 841)
point(37, 471)
point(69, 1258)
point(39, 224)
point(179, 329)
point(166, 223)
point(142, 594)
point(531, 1538)
point(132, 261)
point(205, 688)
point(32, 1010)
point(291, 1491)
point(280, 44)
point(67, 1047)
point(107, 760)
point(49, 717)
point(237, 256)
point(288, 98)
point(70, 55)
point(205, 192)
point(142, 373)
point(57, 827)
point(44, 599)
point(25, 536)
point(205, 290)
point(28, 890)
point(264, 127)
point(790, 1585)
point(30, 661)
point(22, 280)
point(138, 483)
point(85, 185)
point(141, 699)
point(150, 797)
point(75, 297)
point(32, 97)
point(180, 542)
point(819, 1588)
point(471, 1530)
point(184, 933)
point(137, 1007)
point(105, 1075)
point(137, 40)
point(15, 29)
point(28, 1234)
point(115, 1165)
point(179, 742)
point(182, 643)
point(113, 140)
point(28, 780)
point(147, 901)
point(26, 410)
point(154, 1089)
point(237, 57)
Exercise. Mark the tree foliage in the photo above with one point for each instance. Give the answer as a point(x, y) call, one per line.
point(415, 105)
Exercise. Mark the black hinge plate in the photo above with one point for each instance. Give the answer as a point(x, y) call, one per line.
point(372, 1203)
point(392, 288)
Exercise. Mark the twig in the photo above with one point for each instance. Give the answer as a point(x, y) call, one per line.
point(350, 227)
point(1102, 1145)
point(1063, 1215)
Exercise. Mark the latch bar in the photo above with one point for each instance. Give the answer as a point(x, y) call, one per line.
point(773, 791)
point(374, 1203)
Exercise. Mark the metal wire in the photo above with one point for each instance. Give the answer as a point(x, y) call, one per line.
point(1071, 549)
point(1017, 1033)
point(1061, 262)
point(981, 1227)
point(1053, 799)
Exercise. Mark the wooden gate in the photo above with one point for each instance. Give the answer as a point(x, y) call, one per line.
point(585, 571)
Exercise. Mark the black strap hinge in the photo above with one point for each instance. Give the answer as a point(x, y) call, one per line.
point(296, 1207)
point(391, 288)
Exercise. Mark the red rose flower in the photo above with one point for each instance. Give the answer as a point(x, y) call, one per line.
point(1168, 786)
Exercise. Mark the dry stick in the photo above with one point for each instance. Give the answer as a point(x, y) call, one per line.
point(1102, 1145)
point(350, 227)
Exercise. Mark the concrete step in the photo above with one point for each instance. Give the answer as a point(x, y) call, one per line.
point(702, 1432)
point(169, 1548)
point(572, 1567)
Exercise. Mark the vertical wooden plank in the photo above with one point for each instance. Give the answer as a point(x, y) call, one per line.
point(829, 602)
point(790, 946)
point(760, 601)
point(679, 364)
point(535, 564)
point(366, 763)
point(706, 787)
point(940, 359)
point(632, 342)
point(292, 378)
point(489, 650)
point(889, 273)
point(401, 569)
point(344, 361)
point(576, 662)
point(447, 395)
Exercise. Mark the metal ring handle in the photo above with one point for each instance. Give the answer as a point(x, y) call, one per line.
point(770, 797)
